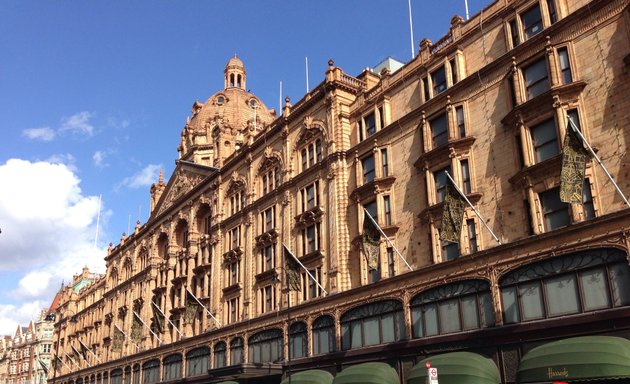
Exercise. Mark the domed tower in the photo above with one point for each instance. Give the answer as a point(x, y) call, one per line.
point(225, 122)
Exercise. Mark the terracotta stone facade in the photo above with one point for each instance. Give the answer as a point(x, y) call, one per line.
point(490, 104)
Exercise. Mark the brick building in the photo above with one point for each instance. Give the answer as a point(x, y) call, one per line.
point(200, 292)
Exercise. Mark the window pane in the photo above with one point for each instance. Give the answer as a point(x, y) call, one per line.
point(371, 331)
point(545, 140)
point(565, 66)
point(594, 289)
point(387, 325)
point(439, 81)
point(510, 307)
point(439, 131)
point(368, 169)
point(416, 318)
point(356, 334)
point(532, 22)
point(536, 78)
point(345, 336)
point(562, 295)
point(620, 284)
point(556, 212)
point(469, 312)
point(531, 300)
point(449, 316)
point(430, 320)
point(487, 310)
point(370, 124)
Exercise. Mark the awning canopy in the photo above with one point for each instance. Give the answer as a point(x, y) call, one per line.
point(368, 373)
point(575, 359)
point(457, 368)
point(313, 376)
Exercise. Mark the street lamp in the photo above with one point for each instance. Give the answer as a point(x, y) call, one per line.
point(62, 319)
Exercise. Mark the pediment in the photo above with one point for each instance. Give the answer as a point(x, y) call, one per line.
point(184, 179)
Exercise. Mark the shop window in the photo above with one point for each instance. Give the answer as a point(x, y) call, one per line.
point(172, 367)
point(555, 212)
point(266, 346)
point(373, 324)
point(324, 335)
point(451, 308)
point(298, 340)
point(237, 351)
point(220, 355)
point(536, 77)
point(576, 283)
point(197, 361)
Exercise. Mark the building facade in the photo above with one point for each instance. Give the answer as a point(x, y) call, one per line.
point(200, 293)
point(25, 356)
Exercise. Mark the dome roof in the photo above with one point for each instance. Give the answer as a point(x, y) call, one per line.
point(235, 62)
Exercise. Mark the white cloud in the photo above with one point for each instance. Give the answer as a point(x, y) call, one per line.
point(48, 229)
point(79, 123)
point(99, 157)
point(64, 158)
point(43, 133)
point(142, 178)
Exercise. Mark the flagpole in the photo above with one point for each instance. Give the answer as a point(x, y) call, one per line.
point(149, 328)
point(204, 307)
point(123, 332)
point(78, 353)
point(483, 221)
point(307, 271)
point(71, 359)
point(387, 238)
point(93, 354)
point(575, 129)
point(413, 53)
point(167, 319)
point(289, 327)
point(63, 362)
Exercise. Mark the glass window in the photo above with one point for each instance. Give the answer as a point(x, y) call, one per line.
point(545, 139)
point(450, 250)
point(298, 340)
point(385, 162)
point(439, 81)
point(172, 367)
point(236, 351)
point(370, 124)
point(439, 130)
point(318, 150)
point(514, 33)
point(452, 308)
point(536, 78)
point(555, 212)
point(388, 210)
point(391, 262)
point(565, 66)
point(425, 85)
point(453, 65)
point(551, 7)
point(368, 168)
point(440, 183)
point(372, 324)
point(575, 283)
point(587, 201)
point(220, 360)
point(532, 22)
point(467, 188)
point(472, 235)
point(461, 123)
point(266, 347)
point(197, 361)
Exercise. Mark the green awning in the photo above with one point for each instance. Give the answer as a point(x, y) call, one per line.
point(575, 359)
point(368, 373)
point(457, 368)
point(313, 376)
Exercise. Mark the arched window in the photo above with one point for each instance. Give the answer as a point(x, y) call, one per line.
point(236, 351)
point(311, 154)
point(79, 381)
point(298, 340)
point(266, 347)
point(151, 372)
point(371, 324)
point(127, 377)
point(98, 378)
point(172, 367)
point(92, 379)
point(324, 335)
point(576, 283)
point(116, 376)
point(106, 378)
point(181, 233)
point(452, 308)
point(197, 361)
point(136, 374)
point(219, 354)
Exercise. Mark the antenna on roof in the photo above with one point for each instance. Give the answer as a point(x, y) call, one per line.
point(307, 88)
point(413, 52)
point(98, 219)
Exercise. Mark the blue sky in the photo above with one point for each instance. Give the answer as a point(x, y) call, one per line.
point(94, 95)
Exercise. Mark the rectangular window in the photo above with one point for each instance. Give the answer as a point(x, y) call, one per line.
point(425, 85)
point(391, 265)
point(311, 155)
point(370, 124)
point(532, 22)
point(587, 201)
point(453, 64)
point(318, 150)
point(385, 162)
point(565, 66)
point(264, 183)
point(304, 156)
point(555, 212)
point(472, 235)
point(371, 209)
point(310, 196)
point(381, 116)
point(551, 7)
point(450, 251)
point(235, 237)
point(545, 140)
point(575, 118)
point(440, 183)
point(368, 169)
point(233, 270)
point(439, 81)
point(467, 188)
point(268, 219)
point(461, 123)
point(233, 310)
point(310, 289)
point(439, 130)
point(268, 261)
point(536, 78)
point(267, 299)
point(514, 33)
point(388, 210)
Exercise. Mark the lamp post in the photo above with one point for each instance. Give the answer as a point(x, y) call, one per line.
point(61, 319)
